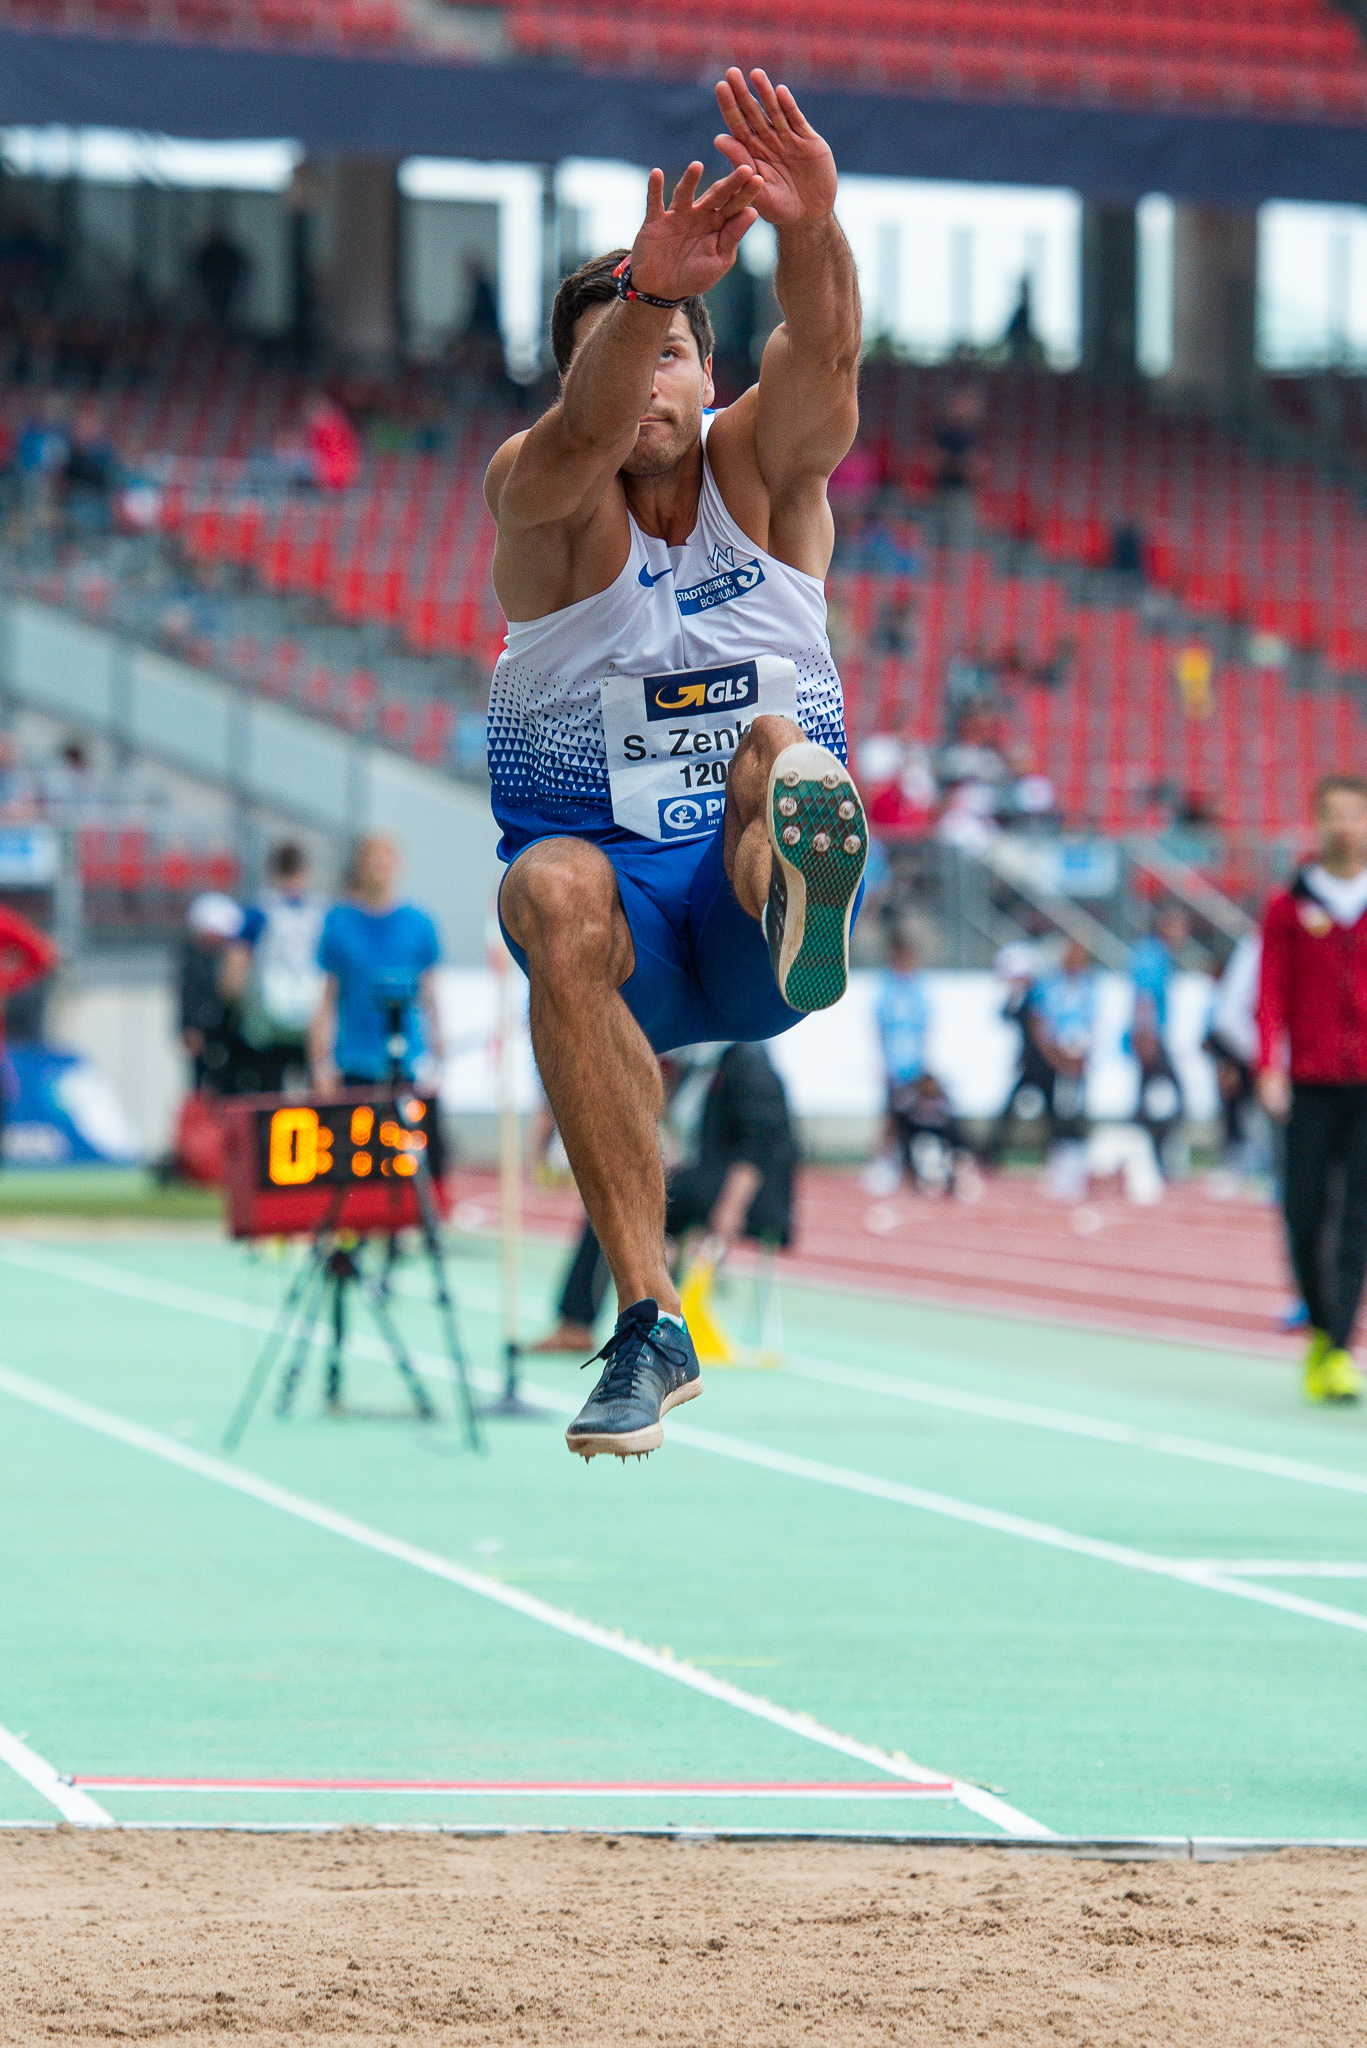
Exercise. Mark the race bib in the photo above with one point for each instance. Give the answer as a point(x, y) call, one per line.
point(671, 740)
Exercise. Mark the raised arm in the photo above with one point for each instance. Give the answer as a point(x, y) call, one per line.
point(806, 406)
point(558, 471)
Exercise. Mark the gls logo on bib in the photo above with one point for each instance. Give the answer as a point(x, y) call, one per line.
point(683, 817)
point(698, 690)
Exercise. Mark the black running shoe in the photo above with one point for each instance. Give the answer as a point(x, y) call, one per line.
point(649, 1367)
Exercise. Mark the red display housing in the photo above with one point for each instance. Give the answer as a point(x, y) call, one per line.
point(334, 1196)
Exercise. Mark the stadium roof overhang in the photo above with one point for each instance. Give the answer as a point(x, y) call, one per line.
point(536, 113)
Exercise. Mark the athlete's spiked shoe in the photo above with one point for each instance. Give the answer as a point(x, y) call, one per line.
point(649, 1367)
point(820, 841)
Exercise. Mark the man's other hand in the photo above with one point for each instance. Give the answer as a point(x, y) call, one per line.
point(686, 247)
point(1274, 1093)
point(770, 133)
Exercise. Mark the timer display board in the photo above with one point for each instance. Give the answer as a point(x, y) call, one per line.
point(348, 1161)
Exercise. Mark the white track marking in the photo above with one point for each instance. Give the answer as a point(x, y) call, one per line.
point(677, 1794)
point(69, 1800)
point(928, 1393)
point(1201, 1573)
point(1065, 1422)
point(222, 1473)
point(1278, 1568)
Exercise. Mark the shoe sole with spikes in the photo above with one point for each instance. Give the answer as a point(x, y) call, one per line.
point(820, 839)
point(632, 1443)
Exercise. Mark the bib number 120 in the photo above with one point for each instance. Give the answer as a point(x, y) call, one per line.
point(704, 774)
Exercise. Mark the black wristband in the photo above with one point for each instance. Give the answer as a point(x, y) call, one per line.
point(621, 278)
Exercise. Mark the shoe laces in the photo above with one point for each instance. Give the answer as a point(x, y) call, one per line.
point(622, 1356)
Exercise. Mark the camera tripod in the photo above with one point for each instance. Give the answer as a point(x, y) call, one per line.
point(322, 1289)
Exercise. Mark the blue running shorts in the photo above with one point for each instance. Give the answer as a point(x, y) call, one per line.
point(702, 970)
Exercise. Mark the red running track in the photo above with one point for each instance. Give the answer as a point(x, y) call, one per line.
point(1191, 1268)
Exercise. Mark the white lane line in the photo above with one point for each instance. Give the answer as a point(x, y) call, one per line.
point(198, 1301)
point(1207, 1576)
point(1200, 1573)
point(1279, 1567)
point(1065, 1422)
point(38, 1395)
point(678, 1794)
point(69, 1800)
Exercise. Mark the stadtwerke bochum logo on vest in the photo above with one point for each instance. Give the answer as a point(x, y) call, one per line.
point(733, 579)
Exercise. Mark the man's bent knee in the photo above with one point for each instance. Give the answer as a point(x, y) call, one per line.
point(561, 903)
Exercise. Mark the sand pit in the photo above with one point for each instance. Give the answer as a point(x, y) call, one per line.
point(418, 1939)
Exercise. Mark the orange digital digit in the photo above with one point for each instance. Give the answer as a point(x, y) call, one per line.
point(405, 1164)
point(361, 1163)
point(362, 1124)
point(294, 1147)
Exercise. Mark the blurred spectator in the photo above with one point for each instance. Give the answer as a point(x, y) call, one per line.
point(376, 953)
point(479, 349)
point(1019, 966)
point(927, 1141)
point(1061, 1018)
point(1312, 1073)
point(331, 443)
point(1231, 1041)
point(68, 782)
point(18, 799)
point(968, 819)
point(976, 753)
point(92, 470)
point(1020, 340)
point(221, 268)
point(208, 1025)
point(324, 454)
point(271, 972)
point(40, 459)
point(902, 791)
point(894, 627)
point(1152, 965)
point(738, 1185)
point(957, 433)
point(26, 955)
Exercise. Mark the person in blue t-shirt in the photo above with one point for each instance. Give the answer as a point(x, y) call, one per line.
point(1060, 1016)
point(921, 1121)
point(1153, 962)
point(373, 950)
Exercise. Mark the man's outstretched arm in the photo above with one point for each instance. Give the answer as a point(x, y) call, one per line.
point(806, 410)
point(560, 467)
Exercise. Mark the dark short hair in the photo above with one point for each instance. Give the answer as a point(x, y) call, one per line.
point(1351, 785)
point(592, 285)
point(287, 859)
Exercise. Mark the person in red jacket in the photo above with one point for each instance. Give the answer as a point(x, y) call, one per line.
point(26, 955)
point(1312, 1072)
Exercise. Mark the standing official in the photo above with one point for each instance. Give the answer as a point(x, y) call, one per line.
point(1312, 1071)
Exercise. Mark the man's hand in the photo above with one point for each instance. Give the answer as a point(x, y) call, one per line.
point(688, 246)
point(770, 134)
point(1274, 1093)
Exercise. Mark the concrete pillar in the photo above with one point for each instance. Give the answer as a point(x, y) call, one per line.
point(361, 312)
point(1214, 279)
point(1108, 292)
